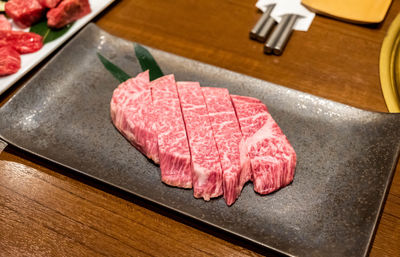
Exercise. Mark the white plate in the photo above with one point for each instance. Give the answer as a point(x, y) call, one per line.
point(28, 61)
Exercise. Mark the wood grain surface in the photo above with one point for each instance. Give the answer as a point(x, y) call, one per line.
point(47, 210)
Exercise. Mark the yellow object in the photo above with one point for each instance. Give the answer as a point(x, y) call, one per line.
point(389, 66)
point(356, 11)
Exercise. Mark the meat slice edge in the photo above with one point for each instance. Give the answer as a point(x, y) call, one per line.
point(174, 154)
point(131, 112)
point(24, 13)
point(66, 12)
point(273, 159)
point(10, 60)
point(49, 3)
point(233, 155)
point(206, 166)
point(23, 42)
point(4, 23)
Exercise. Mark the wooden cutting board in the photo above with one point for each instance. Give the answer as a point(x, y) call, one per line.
point(356, 11)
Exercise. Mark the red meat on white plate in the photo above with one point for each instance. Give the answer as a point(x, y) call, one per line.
point(24, 13)
point(10, 60)
point(49, 3)
point(22, 42)
point(66, 12)
point(4, 23)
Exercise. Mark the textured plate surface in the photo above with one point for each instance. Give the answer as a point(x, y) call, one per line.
point(346, 156)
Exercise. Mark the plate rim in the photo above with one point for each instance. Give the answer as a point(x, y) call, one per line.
point(388, 58)
point(58, 43)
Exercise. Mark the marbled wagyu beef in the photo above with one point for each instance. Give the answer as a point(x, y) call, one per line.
point(204, 137)
point(131, 113)
point(173, 145)
point(232, 150)
point(273, 159)
point(206, 167)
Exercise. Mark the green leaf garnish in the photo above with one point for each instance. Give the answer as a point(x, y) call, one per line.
point(116, 71)
point(147, 62)
point(47, 33)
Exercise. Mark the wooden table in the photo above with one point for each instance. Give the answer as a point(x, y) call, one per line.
point(46, 210)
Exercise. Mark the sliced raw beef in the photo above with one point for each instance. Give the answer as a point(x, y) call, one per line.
point(49, 3)
point(248, 125)
point(4, 23)
point(66, 12)
point(273, 159)
point(206, 167)
point(173, 146)
point(24, 12)
point(23, 42)
point(10, 61)
point(232, 150)
point(131, 113)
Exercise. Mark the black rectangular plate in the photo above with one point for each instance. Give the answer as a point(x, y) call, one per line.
point(346, 156)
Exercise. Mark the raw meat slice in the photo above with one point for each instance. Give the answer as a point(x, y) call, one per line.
point(23, 42)
point(10, 60)
point(131, 113)
point(66, 12)
point(248, 124)
point(49, 3)
point(206, 166)
point(273, 159)
point(4, 23)
point(235, 161)
point(173, 146)
point(24, 12)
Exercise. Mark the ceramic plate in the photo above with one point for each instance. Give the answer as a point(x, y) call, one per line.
point(389, 66)
point(29, 61)
point(346, 156)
